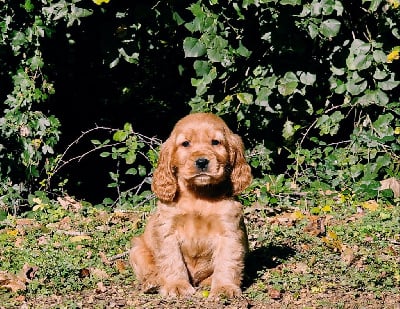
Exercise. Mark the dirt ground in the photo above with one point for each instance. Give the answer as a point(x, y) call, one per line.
point(131, 297)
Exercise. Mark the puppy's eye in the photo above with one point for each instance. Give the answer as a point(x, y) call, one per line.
point(215, 142)
point(186, 144)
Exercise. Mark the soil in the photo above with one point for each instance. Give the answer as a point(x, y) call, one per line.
point(131, 297)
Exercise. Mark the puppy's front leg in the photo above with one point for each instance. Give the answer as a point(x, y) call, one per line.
point(228, 265)
point(173, 272)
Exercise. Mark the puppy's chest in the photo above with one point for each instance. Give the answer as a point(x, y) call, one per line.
point(194, 226)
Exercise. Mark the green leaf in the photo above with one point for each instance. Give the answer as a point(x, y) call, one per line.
point(308, 78)
point(379, 56)
point(201, 67)
point(359, 62)
point(290, 2)
point(382, 126)
point(380, 74)
point(356, 88)
point(330, 28)
point(287, 88)
point(313, 30)
point(388, 84)
point(28, 6)
point(131, 171)
point(245, 98)
point(374, 5)
point(193, 47)
point(142, 171)
point(130, 157)
point(36, 62)
point(243, 51)
point(128, 128)
point(178, 19)
point(288, 130)
point(377, 97)
point(120, 136)
point(288, 84)
point(3, 215)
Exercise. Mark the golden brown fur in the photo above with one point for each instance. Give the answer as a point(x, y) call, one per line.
point(197, 235)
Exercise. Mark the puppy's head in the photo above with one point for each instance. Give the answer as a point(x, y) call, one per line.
point(200, 152)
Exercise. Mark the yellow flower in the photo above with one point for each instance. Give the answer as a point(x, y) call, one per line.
point(100, 2)
point(12, 232)
point(394, 54)
point(394, 3)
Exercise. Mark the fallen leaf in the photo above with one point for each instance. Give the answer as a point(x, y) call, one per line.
point(104, 258)
point(120, 265)
point(27, 222)
point(12, 232)
point(347, 255)
point(11, 282)
point(274, 293)
point(326, 208)
point(98, 273)
point(331, 240)
point(316, 226)
point(80, 238)
point(392, 184)
point(84, 273)
point(370, 205)
point(101, 287)
point(17, 282)
point(68, 203)
point(300, 268)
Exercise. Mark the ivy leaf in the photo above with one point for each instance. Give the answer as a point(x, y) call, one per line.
point(388, 84)
point(356, 88)
point(245, 98)
point(382, 125)
point(288, 130)
point(330, 28)
point(201, 67)
point(290, 2)
point(193, 47)
point(288, 84)
point(308, 78)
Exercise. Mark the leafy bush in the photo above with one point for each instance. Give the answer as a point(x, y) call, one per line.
point(311, 85)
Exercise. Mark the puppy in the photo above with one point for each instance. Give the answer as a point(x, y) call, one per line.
point(197, 235)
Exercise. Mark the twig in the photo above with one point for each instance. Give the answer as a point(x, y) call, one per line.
point(118, 256)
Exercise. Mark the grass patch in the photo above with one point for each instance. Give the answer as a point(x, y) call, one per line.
point(296, 252)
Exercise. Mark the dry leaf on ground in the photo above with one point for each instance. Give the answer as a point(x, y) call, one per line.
point(17, 282)
point(393, 184)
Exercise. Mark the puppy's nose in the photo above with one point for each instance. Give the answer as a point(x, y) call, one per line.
point(202, 163)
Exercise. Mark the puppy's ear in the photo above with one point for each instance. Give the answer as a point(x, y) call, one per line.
point(164, 183)
point(241, 172)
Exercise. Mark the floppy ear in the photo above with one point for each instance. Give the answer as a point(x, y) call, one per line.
point(164, 183)
point(241, 171)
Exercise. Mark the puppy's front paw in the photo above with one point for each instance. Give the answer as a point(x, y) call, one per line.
point(228, 290)
point(175, 289)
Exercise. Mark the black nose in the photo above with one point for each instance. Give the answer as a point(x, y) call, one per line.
point(202, 163)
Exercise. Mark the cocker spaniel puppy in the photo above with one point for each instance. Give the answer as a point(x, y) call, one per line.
point(197, 235)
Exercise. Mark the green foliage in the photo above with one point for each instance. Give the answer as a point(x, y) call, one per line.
point(312, 86)
point(28, 135)
point(126, 149)
point(310, 69)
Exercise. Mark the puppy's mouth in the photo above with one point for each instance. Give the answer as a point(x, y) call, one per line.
point(203, 179)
